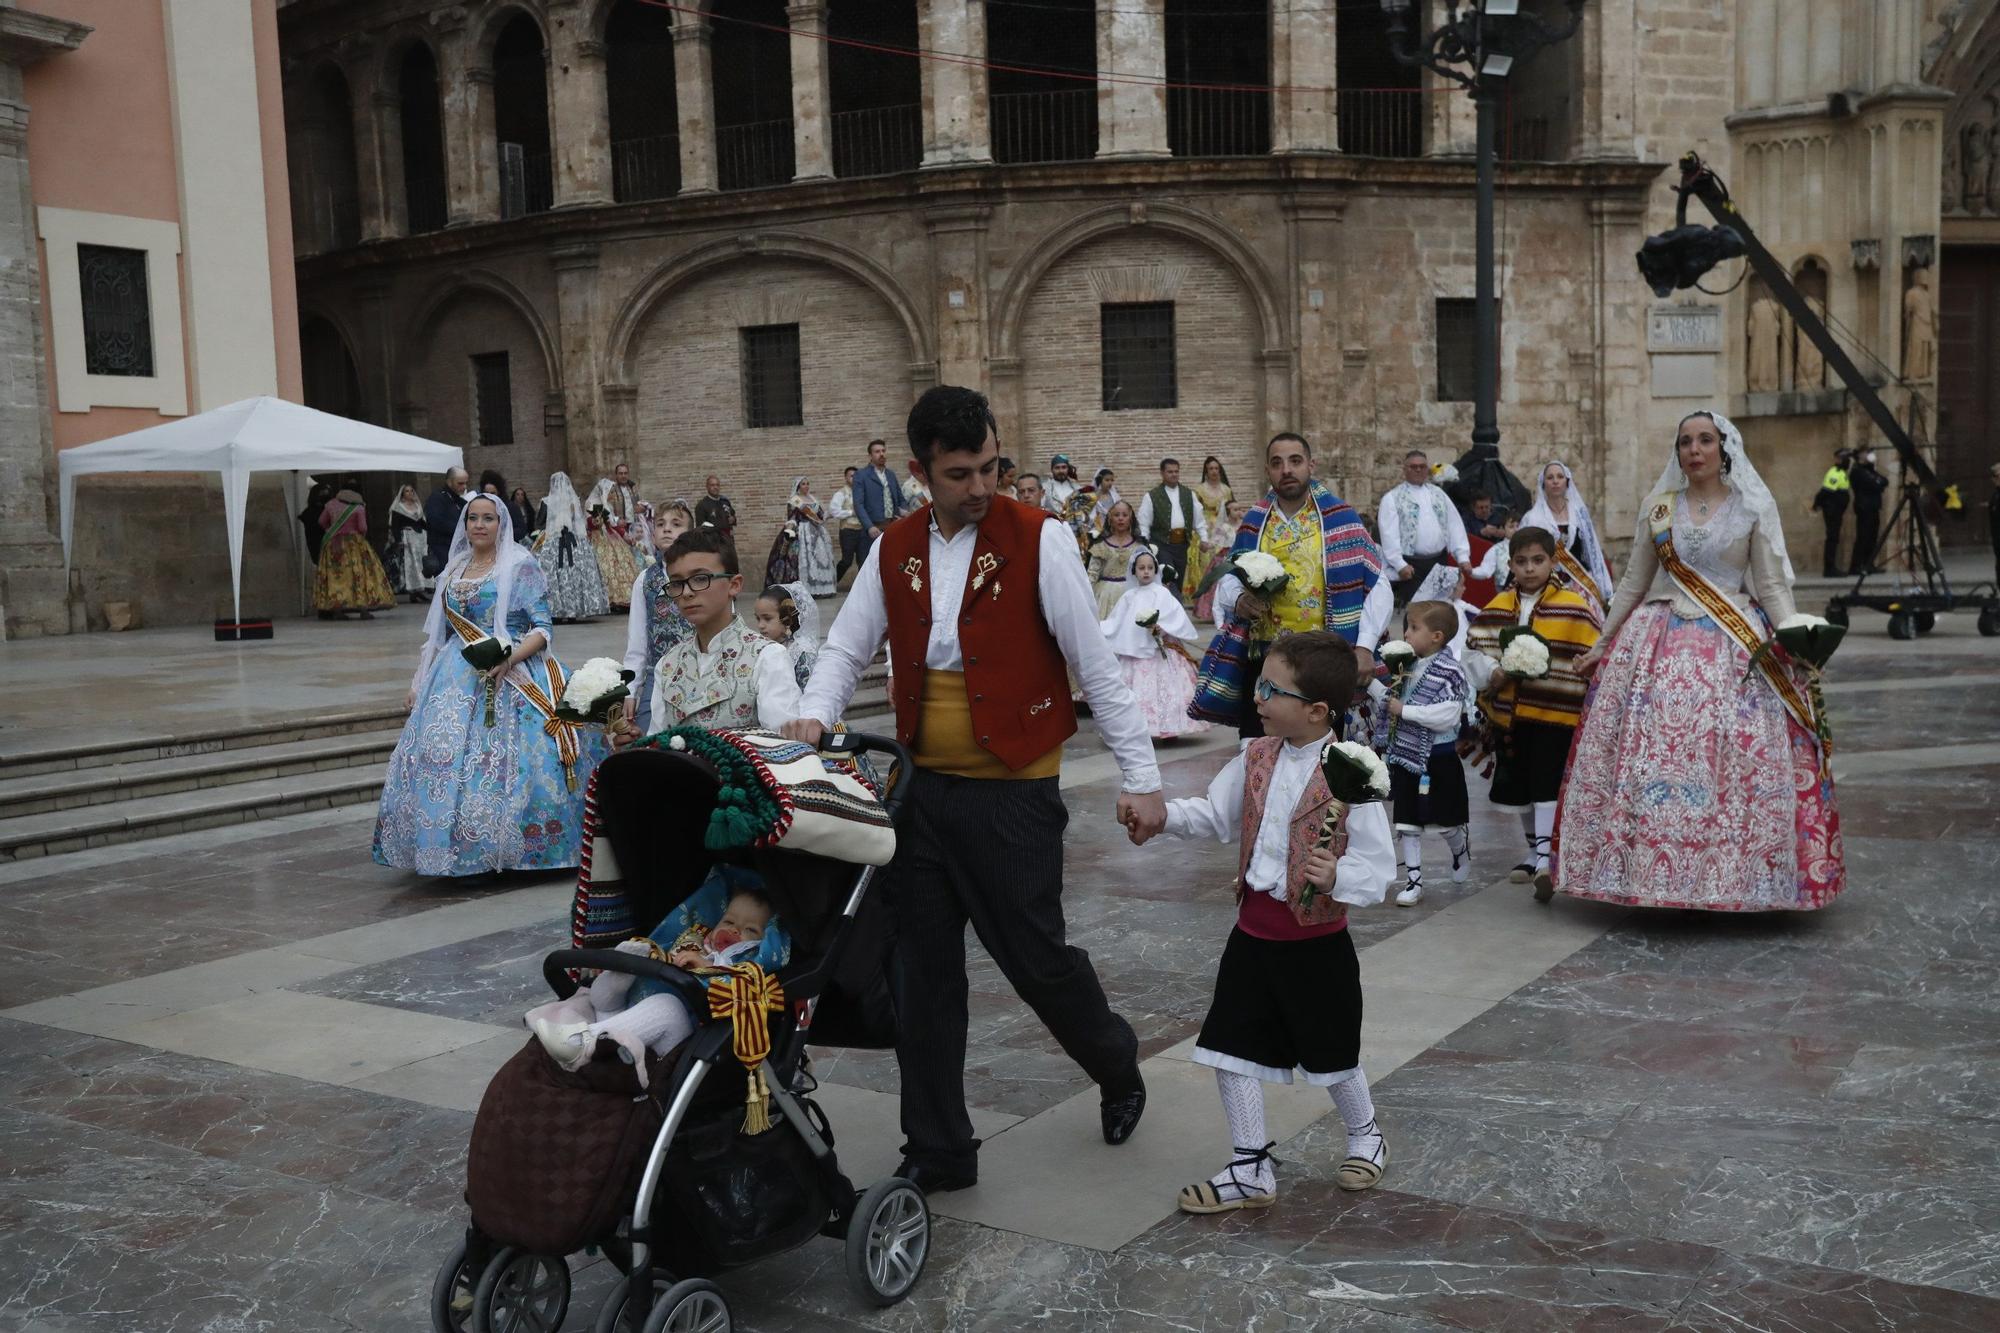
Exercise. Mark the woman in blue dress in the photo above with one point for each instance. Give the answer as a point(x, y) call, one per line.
point(467, 795)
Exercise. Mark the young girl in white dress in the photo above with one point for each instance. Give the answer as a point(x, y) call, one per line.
point(1150, 656)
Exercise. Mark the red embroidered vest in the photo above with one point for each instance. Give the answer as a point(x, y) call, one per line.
point(1014, 671)
point(1259, 762)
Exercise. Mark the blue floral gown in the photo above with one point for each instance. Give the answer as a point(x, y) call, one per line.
point(463, 798)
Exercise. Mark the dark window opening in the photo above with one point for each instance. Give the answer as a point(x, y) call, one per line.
point(645, 119)
point(1224, 43)
point(1036, 116)
point(492, 398)
point(423, 141)
point(753, 94)
point(1138, 353)
point(521, 119)
point(773, 394)
point(877, 122)
point(1458, 349)
point(117, 315)
point(1378, 106)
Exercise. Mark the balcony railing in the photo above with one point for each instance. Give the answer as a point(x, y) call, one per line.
point(878, 141)
point(1044, 127)
point(527, 184)
point(1380, 122)
point(754, 155)
point(648, 168)
point(423, 196)
point(1218, 122)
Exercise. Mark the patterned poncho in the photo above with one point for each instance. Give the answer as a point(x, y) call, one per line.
point(1436, 680)
point(1563, 617)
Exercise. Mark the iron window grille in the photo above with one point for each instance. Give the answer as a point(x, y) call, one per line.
point(1458, 349)
point(773, 394)
point(1138, 354)
point(493, 398)
point(117, 316)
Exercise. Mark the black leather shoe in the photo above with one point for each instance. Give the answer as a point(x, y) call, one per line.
point(1121, 1108)
point(936, 1180)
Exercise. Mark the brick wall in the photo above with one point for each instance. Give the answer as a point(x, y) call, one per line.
point(441, 387)
point(854, 361)
point(1215, 344)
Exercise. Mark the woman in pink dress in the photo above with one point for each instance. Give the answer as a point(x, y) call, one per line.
point(1697, 780)
point(1150, 655)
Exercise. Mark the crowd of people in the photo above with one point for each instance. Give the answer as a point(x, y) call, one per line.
point(1656, 754)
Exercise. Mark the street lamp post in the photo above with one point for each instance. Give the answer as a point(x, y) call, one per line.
point(1476, 46)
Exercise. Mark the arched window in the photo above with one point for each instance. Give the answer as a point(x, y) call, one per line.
point(877, 124)
point(1043, 117)
point(521, 119)
point(328, 377)
point(326, 207)
point(423, 139)
point(753, 94)
point(1218, 42)
point(645, 118)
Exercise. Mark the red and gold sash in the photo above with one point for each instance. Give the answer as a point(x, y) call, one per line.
point(541, 696)
point(1711, 599)
point(746, 995)
point(1572, 568)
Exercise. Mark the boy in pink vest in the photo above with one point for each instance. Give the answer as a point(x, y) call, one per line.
point(1288, 991)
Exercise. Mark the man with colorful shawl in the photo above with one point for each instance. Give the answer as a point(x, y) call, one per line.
point(1335, 584)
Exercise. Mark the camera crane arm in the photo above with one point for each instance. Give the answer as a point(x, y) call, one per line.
point(1699, 180)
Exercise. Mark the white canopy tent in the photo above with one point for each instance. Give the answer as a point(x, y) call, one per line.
point(256, 435)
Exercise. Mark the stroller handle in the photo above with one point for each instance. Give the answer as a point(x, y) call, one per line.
point(558, 965)
point(866, 742)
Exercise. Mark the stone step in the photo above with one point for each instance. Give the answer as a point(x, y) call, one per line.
point(70, 756)
point(26, 836)
point(106, 783)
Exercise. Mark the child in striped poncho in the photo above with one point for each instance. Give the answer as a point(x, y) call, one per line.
point(1416, 731)
point(1534, 715)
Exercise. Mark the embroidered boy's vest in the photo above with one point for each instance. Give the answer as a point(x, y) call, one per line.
point(725, 695)
point(1016, 682)
point(1260, 760)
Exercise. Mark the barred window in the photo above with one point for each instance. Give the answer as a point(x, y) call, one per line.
point(492, 398)
point(772, 393)
point(1138, 354)
point(1458, 349)
point(117, 317)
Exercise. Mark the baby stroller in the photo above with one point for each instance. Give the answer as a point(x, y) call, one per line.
point(671, 1183)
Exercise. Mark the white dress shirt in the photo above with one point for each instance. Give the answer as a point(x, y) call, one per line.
point(1056, 494)
point(1196, 529)
point(840, 506)
point(1366, 868)
point(1430, 538)
point(777, 687)
point(1069, 609)
point(636, 637)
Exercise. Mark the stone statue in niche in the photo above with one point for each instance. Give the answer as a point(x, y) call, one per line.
point(1919, 329)
point(1976, 162)
point(1811, 372)
point(1766, 353)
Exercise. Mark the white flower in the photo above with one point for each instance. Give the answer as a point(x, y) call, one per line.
point(1147, 619)
point(1378, 772)
point(1526, 658)
point(1444, 474)
point(677, 743)
point(1801, 621)
point(1396, 648)
point(591, 682)
point(1260, 571)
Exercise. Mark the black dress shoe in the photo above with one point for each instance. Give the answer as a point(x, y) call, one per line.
point(936, 1180)
point(1121, 1108)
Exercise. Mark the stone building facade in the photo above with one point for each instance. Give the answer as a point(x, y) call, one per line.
point(738, 237)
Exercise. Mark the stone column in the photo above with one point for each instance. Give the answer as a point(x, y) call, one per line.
point(958, 286)
point(378, 152)
point(1610, 80)
point(1132, 117)
point(579, 108)
point(576, 331)
point(694, 99)
point(34, 593)
point(1302, 66)
point(812, 97)
point(472, 167)
point(957, 117)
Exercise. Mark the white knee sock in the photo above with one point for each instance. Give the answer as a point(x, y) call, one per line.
point(1545, 827)
point(1412, 842)
point(607, 993)
point(658, 1023)
point(1459, 840)
point(1243, 1107)
point(1357, 1112)
point(1528, 832)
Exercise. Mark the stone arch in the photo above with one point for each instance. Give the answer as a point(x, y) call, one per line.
point(474, 281)
point(489, 24)
point(705, 259)
point(1171, 218)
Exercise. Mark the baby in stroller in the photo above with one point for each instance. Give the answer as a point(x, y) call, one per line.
point(727, 921)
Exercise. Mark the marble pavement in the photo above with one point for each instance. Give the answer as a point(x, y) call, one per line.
point(237, 1069)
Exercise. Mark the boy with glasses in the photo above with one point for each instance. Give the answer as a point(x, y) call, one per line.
point(725, 674)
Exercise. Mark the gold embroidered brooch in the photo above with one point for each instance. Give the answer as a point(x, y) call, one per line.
point(914, 567)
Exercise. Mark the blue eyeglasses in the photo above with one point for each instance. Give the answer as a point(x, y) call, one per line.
point(1265, 689)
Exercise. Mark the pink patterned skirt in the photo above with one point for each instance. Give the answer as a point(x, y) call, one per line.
point(1691, 786)
point(1164, 686)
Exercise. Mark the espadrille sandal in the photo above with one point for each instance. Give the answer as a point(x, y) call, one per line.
point(1358, 1173)
point(1206, 1197)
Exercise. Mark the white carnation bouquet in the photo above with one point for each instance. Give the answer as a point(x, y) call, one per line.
point(1444, 474)
point(593, 690)
point(1809, 641)
point(1147, 619)
point(484, 653)
point(1398, 656)
point(1524, 654)
point(1261, 573)
point(1354, 775)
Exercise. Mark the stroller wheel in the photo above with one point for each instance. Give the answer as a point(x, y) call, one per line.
point(451, 1294)
point(888, 1239)
point(694, 1306)
point(611, 1316)
point(521, 1293)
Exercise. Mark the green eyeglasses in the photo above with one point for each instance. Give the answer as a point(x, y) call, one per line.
point(1265, 689)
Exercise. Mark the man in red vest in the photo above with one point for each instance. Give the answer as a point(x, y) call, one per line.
point(985, 607)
